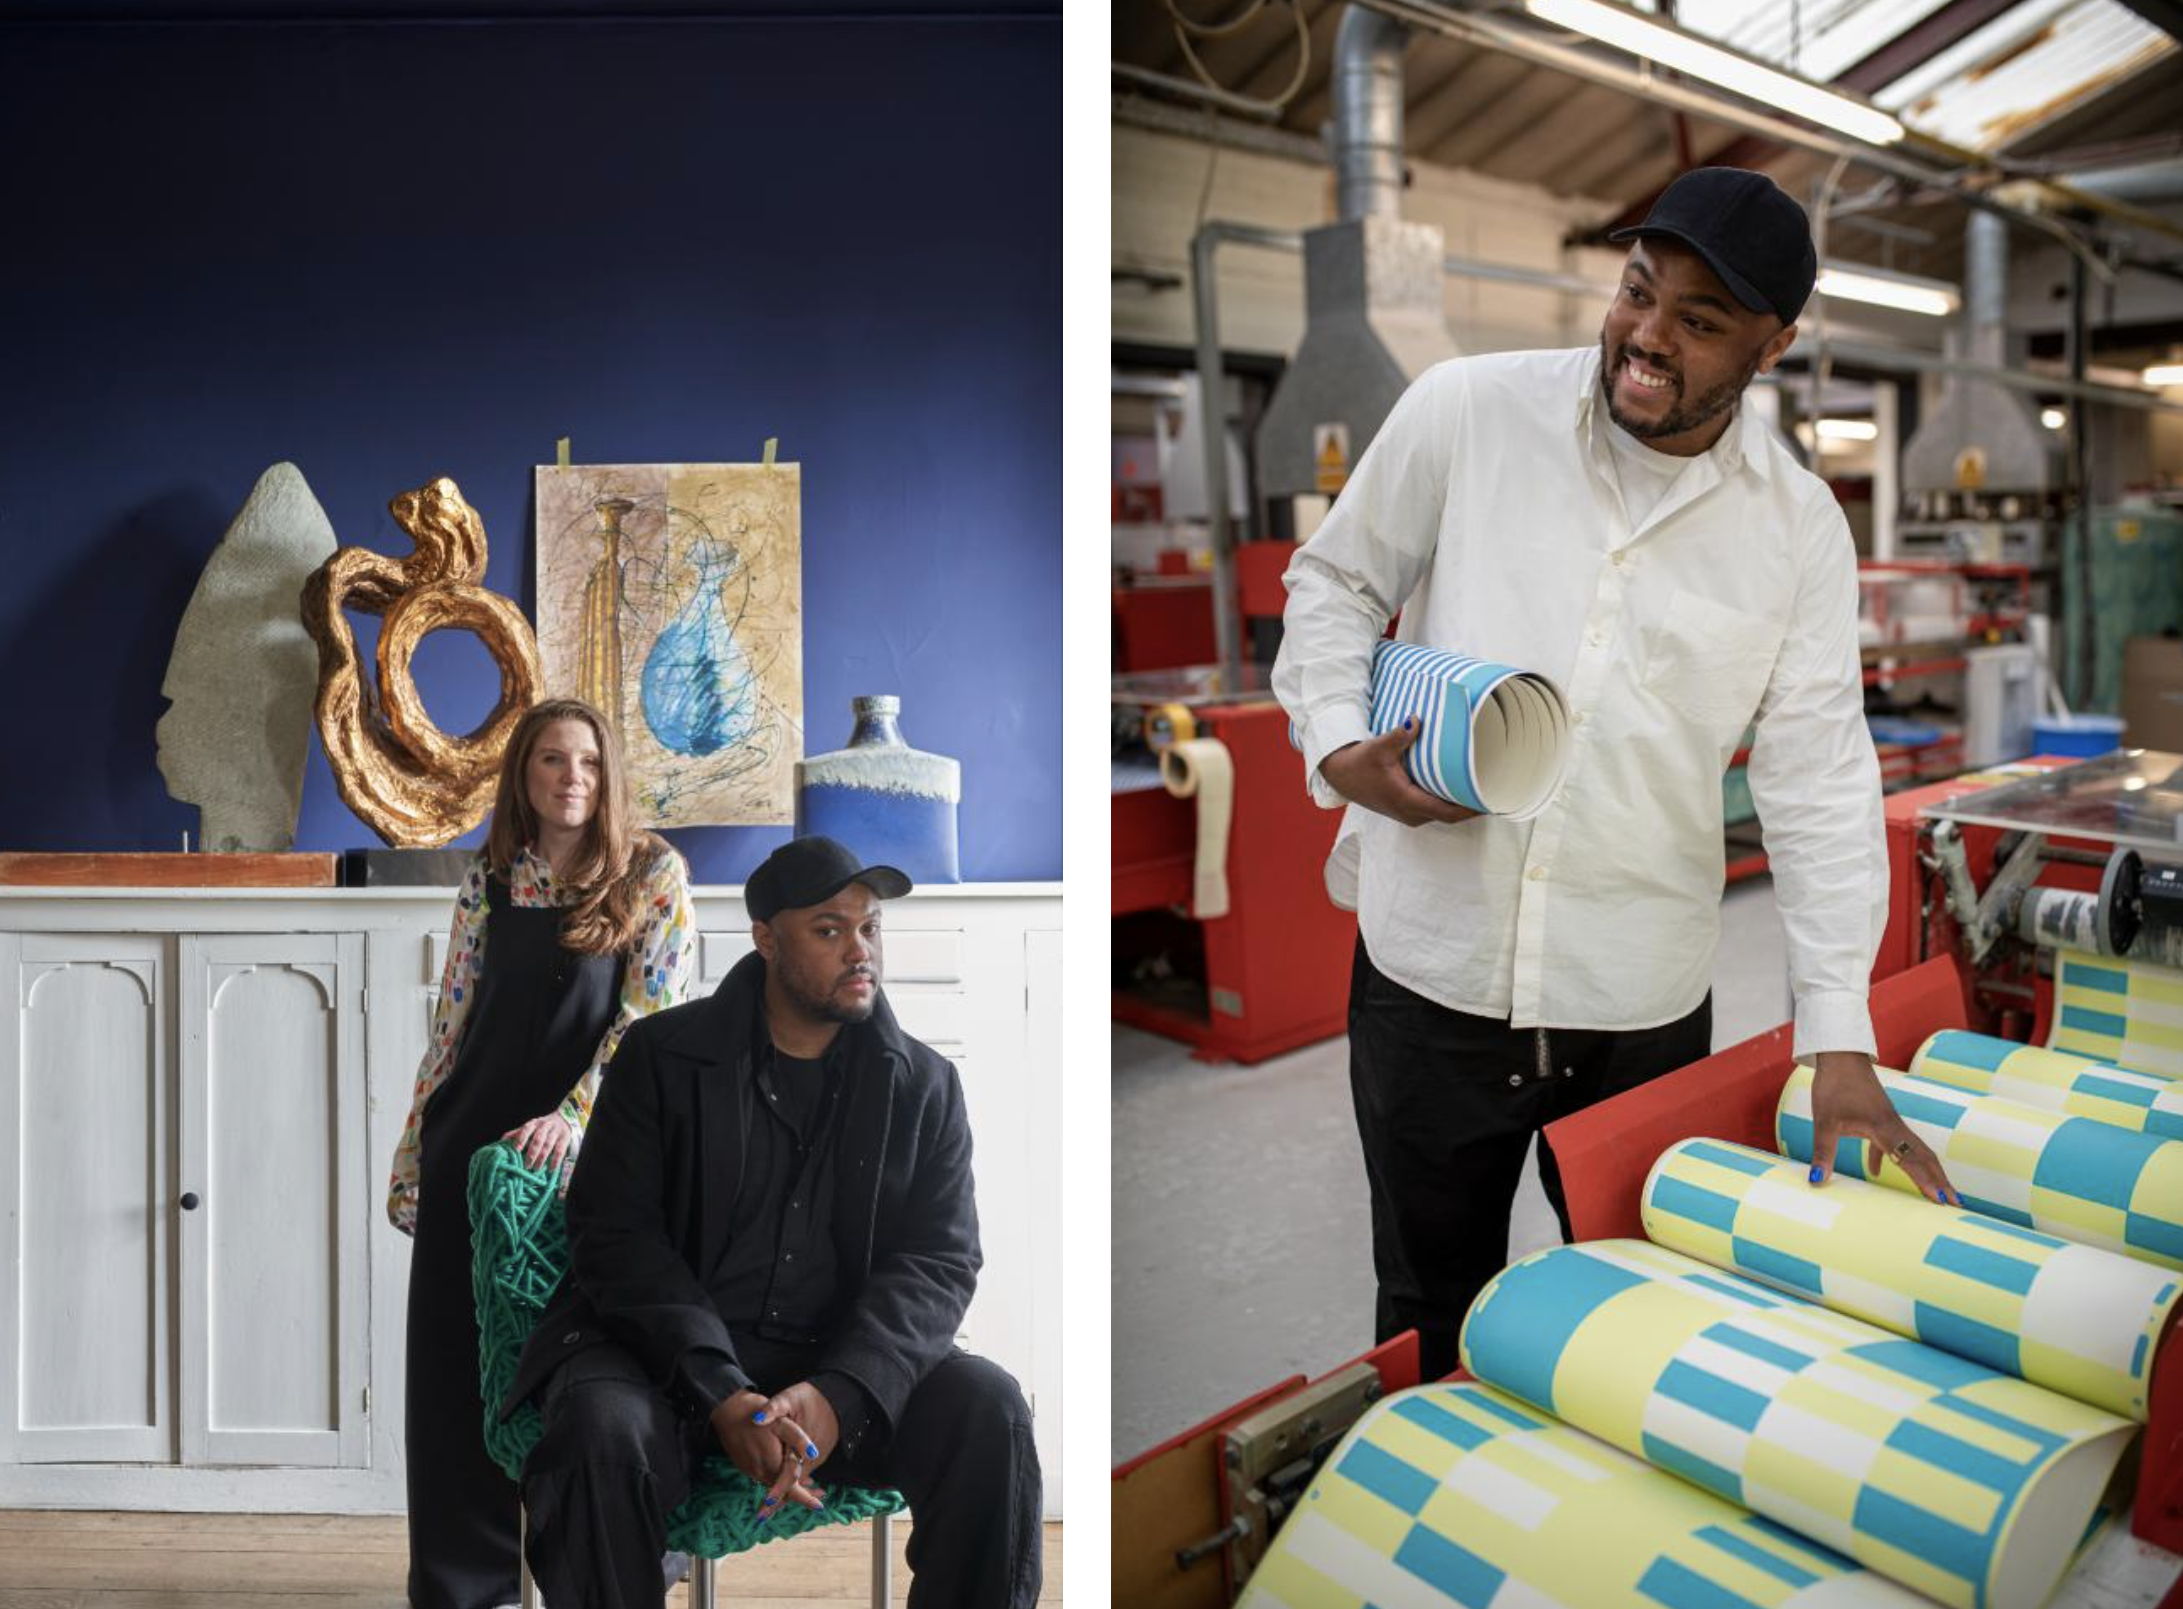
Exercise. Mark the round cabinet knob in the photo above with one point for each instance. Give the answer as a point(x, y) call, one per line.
point(189, 1201)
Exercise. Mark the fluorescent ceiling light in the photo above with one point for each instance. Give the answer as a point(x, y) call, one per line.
point(1686, 53)
point(1848, 430)
point(2053, 418)
point(2164, 374)
point(1883, 289)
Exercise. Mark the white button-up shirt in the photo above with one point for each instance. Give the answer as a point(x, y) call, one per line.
point(1488, 513)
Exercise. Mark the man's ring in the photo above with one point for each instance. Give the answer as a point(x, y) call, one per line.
point(1902, 1148)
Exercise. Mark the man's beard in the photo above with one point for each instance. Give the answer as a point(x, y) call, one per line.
point(1685, 416)
point(824, 1006)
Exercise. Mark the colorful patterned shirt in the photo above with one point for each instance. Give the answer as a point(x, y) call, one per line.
point(661, 960)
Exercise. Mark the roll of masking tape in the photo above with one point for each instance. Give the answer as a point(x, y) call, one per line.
point(1201, 768)
point(1167, 725)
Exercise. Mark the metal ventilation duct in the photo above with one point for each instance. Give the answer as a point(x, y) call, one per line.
point(1980, 437)
point(1372, 283)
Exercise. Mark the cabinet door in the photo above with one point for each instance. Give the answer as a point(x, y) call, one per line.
point(84, 1199)
point(274, 1321)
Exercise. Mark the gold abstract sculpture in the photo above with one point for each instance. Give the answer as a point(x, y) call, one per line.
point(416, 786)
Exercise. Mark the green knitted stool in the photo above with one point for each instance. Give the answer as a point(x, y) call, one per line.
point(518, 1250)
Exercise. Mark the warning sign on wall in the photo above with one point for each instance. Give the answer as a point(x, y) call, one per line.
point(1330, 455)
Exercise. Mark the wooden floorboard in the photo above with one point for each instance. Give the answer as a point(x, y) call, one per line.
point(69, 1559)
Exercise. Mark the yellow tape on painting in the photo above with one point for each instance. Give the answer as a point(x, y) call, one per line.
point(2073, 1318)
point(1819, 1422)
point(1458, 1494)
point(2075, 1177)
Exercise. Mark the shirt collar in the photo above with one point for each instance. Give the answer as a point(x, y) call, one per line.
point(1743, 444)
point(536, 867)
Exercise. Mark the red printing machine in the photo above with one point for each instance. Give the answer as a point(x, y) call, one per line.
point(1189, 1497)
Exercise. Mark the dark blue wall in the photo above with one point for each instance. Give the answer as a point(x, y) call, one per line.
point(385, 252)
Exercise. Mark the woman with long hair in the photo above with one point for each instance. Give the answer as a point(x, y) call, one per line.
point(570, 924)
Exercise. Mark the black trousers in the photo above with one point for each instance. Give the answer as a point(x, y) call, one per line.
point(1446, 1105)
point(615, 1461)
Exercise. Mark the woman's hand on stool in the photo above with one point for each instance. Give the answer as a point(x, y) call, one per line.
point(542, 1140)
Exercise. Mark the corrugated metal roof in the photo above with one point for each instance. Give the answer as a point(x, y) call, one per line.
point(2025, 69)
point(1820, 41)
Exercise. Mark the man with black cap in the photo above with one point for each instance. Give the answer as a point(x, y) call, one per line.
point(772, 1242)
point(1613, 519)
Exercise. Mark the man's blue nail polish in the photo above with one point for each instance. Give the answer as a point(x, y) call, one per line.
point(811, 1449)
point(1815, 1173)
point(759, 1417)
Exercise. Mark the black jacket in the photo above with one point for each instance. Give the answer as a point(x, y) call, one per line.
point(649, 1204)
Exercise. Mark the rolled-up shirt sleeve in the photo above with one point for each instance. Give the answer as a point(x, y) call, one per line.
point(1348, 581)
point(1816, 783)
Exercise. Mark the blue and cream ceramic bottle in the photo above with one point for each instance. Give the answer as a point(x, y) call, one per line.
point(892, 805)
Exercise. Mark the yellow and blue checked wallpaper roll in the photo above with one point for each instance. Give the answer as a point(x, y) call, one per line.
point(2056, 1080)
point(2074, 1177)
point(1457, 1494)
point(1955, 1480)
point(2126, 1012)
point(2072, 1318)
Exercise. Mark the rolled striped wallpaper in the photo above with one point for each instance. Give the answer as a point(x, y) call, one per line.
point(1459, 1494)
point(2072, 1177)
point(2076, 1319)
point(1491, 737)
point(1960, 1482)
point(2055, 1080)
point(2126, 1012)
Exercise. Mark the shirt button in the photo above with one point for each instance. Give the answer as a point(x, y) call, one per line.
point(1568, 1072)
point(1595, 639)
point(1620, 558)
point(1536, 874)
point(1515, 1080)
point(791, 1257)
point(1578, 718)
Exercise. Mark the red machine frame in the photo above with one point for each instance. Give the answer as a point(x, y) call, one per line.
point(1277, 964)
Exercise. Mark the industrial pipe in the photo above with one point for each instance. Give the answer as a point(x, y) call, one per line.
point(1367, 130)
point(1213, 412)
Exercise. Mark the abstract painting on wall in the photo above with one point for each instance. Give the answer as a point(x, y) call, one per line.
point(670, 595)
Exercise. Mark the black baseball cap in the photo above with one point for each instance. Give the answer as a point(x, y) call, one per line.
point(1749, 231)
point(805, 871)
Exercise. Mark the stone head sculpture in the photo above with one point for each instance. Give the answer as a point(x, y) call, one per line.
point(234, 739)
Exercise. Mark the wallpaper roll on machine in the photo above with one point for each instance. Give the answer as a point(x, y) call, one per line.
point(2072, 1318)
point(1458, 1493)
point(2050, 1172)
point(1956, 1480)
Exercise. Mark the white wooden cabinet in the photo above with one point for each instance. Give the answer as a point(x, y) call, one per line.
point(203, 1306)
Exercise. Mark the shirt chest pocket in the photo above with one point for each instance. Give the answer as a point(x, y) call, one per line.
point(1708, 662)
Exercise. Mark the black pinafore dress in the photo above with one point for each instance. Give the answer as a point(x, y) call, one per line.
point(534, 1024)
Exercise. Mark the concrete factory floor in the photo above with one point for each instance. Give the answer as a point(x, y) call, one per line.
point(1242, 1236)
